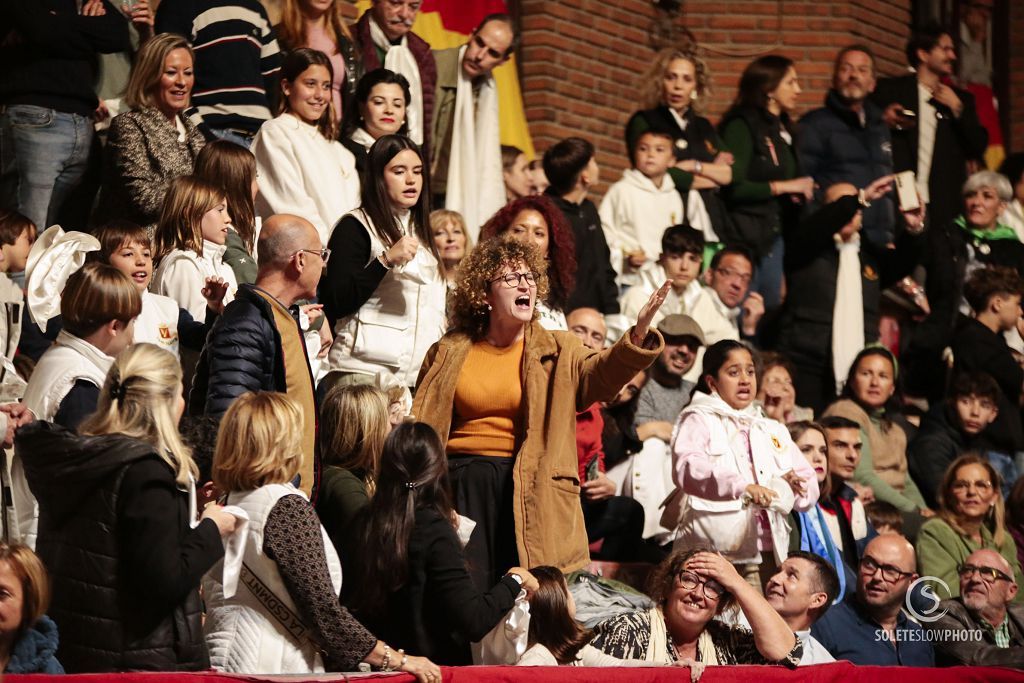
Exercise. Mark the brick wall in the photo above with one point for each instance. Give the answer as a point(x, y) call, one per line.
point(581, 59)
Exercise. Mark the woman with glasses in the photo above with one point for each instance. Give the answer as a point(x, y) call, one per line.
point(384, 292)
point(690, 588)
point(536, 220)
point(971, 516)
point(503, 393)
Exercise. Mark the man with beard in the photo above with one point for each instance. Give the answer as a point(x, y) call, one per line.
point(869, 626)
point(666, 392)
point(846, 141)
point(984, 607)
point(801, 592)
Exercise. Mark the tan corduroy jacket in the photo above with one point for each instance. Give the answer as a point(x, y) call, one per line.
point(560, 378)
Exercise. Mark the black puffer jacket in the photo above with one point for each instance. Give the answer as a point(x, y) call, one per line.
point(125, 564)
point(242, 354)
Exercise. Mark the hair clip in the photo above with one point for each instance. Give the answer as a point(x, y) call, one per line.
point(411, 485)
point(117, 390)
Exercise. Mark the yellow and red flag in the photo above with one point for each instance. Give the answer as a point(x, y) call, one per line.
point(449, 23)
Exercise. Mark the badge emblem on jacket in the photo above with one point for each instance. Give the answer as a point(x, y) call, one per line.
point(165, 333)
point(776, 444)
point(870, 273)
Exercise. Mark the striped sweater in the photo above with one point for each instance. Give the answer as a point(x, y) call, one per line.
point(237, 60)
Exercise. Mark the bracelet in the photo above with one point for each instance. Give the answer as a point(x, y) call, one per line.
point(387, 658)
point(862, 199)
point(518, 579)
point(405, 660)
point(385, 261)
point(698, 167)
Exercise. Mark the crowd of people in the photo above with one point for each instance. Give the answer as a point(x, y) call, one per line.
point(279, 308)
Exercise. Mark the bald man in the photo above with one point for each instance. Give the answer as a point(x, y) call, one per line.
point(257, 343)
point(834, 283)
point(982, 627)
point(869, 626)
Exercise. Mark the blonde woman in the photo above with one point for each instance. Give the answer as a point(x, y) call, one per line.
point(287, 553)
point(117, 524)
point(451, 239)
point(153, 143)
point(354, 421)
point(189, 246)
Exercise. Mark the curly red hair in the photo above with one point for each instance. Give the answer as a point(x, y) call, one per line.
point(561, 256)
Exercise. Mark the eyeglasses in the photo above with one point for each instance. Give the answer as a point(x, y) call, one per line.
point(891, 574)
point(688, 580)
point(730, 274)
point(981, 486)
point(988, 574)
point(325, 254)
point(512, 280)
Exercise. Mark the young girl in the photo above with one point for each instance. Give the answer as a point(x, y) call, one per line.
point(189, 244)
point(232, 168)
point(739, 472)
point(17, 234)
point(126, 246)
point(555, 637)
point(384, 290)
point(303, 169)
point(285, 570)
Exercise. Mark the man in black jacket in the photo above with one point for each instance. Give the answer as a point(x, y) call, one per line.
point(572, 169)
point(942, 134)
point(846, 141)
point(257, 343)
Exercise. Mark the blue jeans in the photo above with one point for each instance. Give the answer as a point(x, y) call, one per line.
point(767, 280)
point(233, 136)
point(43, 156)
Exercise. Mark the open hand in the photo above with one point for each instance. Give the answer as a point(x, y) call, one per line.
point(647, 313)
point(714, 566)
point(214, 292)
point(878, 188)
point(796, 483)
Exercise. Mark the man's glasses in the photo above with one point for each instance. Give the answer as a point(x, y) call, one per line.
point(325, 254)
point(870, 567)
point(688, 580)
point(988, 574)
point(512, 280)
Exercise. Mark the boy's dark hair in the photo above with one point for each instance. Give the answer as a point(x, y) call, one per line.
point(924, 38)
point(682, 239)
point(880, 513)
point(978, 384)
point(12, 224)
point(837, 422)
point(565, 161)
point(986, 283)
point(113, 235)
point(825, 578)
point(735, 250)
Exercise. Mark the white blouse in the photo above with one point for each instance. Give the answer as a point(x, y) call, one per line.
point(182, 275)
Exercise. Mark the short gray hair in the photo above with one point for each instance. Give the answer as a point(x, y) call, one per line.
point(992, 180)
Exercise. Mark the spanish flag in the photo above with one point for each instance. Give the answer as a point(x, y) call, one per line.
point(449, 23)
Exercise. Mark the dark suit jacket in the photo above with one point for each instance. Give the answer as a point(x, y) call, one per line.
point(956, 141)
point(971, 652)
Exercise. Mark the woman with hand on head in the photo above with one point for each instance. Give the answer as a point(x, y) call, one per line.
point(287, 553)
point(413, 586)
point(379, 107)
point(503, 393)
point(971, 516)
point(153, 143)
point(536, 220)
point(767, 189)
point(303, 169)
point(690, 588)
point(385, 292)
point(739, 472)
point(117, 524)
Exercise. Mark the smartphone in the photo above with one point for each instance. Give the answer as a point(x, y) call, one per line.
point(906, 191)
point(128, 6)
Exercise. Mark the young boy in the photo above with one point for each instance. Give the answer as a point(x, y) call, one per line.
point(885, 517)
point(959, 424)
point(572, 170)
point(17, 234)
point(682, 248)
point(640, 206)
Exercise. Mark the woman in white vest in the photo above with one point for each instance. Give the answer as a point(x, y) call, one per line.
point(384, 291)
point(739, 472)
point(272, 603)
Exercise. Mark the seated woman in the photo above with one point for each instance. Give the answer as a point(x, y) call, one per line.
point(153, 143)
point(775, 391)
point(354, 421)
point(117, 524)
point(556, 638)
point(537, 221)
point(971, 516)
point(284, 551)
point(870, 399)
point(381, 100)
point(451, 239)
point(690, 588)
point(28, 638)
point(303, 169)
point(414, 588)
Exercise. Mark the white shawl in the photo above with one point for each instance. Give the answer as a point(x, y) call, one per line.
point(848, 311)
point(399, 58)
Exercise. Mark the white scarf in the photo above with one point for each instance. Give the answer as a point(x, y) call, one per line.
point(697, 215)
point(657, 646)
point(476, 188)
point(360, 136)
point(848, 312)
point(399, 58)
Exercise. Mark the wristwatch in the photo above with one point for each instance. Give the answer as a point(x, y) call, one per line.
point(518, 579)
point(698, 167)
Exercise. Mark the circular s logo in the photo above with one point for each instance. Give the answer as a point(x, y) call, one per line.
point(931, 612)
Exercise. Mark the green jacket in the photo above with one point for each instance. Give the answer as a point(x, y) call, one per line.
point(240, 260)
point(444, 115)
point(941, 550)
point(342, 494)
